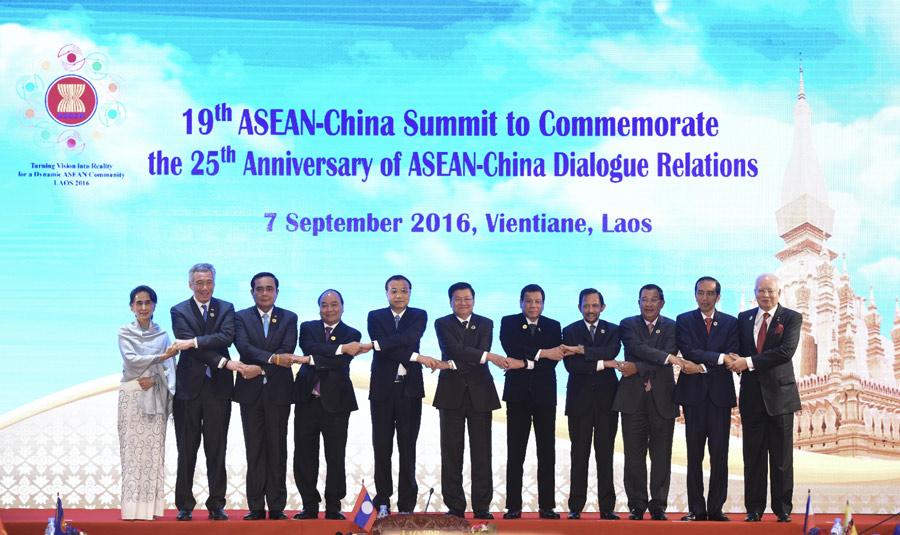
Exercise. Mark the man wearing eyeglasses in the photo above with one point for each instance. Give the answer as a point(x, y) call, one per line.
point(705, 390)
point(768, 337)
point(645, 401)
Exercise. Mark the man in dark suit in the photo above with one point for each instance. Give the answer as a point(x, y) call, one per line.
point(532, 345)
point(396, 392)
point(705, 390)
point(325, 398)
point(591, 345)
point(204, 328)
point(645, 401)
point(466, 395)
point(265, 335)
point(768, 337)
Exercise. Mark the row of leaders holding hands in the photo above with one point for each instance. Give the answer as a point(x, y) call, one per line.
point(759, 345)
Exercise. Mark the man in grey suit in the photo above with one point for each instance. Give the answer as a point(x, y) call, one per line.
point(645, 401)
point(768, 337)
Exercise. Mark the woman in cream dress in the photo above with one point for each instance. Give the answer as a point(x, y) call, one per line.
point(145, 403)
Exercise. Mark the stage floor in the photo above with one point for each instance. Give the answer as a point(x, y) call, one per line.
point(107, 522)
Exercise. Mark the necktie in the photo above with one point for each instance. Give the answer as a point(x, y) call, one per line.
point(593, 331)
point(465, 325)
point(708, 324)
point(265, 320)
point(203, 310)
point(397, 322)
point(532, 328)
point(317, 388)
point(761, 337)
point(647, 386)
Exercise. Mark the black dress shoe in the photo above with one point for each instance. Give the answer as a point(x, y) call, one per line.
point(752, 517)
point(218, 514)
point(548, 514)
point(658, 515)
point(636, 515)
point(784, 517)
point(307, 514)
point(457, 513)
point(609, 516)
point(483, 515)
point(184, 515)
point(335, 515)
point(574, 515)
point(277, 515)
point(718, 517)
point(512, 515)
point(691, 517)
point(255, 515)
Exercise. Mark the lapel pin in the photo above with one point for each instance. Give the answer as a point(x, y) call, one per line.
point(274, 320)
point(212, 314)
point(602, 331)
point(715, 324)
point(333, 338)
point(657, 331)
point(524, 326)
point(472, 326)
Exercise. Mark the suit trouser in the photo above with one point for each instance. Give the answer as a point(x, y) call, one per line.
point(519, 418)
point(702, 422)
point(599, 425)
point(205, 416)
point(767, 440)
point(404, 415)
point(311, 420)
point(453, 435)
point(642, 430)
point(265, 437)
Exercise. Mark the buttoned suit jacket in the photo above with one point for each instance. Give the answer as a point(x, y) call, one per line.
point(213, 338)
point(396, 346)
point(256, 348)
point(773, 367)
point(331, 371)
point(588, 388)
point(717, 385)
point(537, 385)
point(648, 351)
point(465, 347)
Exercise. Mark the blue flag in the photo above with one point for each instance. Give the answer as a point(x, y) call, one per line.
point(58, 530)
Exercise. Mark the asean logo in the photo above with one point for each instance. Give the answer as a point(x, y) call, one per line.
point(71, 100)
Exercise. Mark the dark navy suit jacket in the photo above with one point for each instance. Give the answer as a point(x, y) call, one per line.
point(717, 385)
point(213, 338)
point(256, 348)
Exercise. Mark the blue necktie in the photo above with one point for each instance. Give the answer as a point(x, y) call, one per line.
point(203, 309)
point(265, 320)
point(397, 322)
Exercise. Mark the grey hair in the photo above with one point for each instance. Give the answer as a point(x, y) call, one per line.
point(201, 268)
point(772, 276)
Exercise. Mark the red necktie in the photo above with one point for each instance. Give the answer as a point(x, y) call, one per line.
point(708, 325)
point(761, 337)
